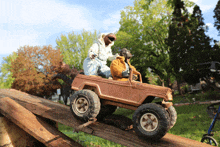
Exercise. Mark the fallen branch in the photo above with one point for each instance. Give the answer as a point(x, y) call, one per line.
point(80, 128)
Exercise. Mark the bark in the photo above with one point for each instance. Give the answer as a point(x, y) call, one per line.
point(61, 113)
point(162, 81)
point(169, 81)
point(33, 125)
point(178, 86)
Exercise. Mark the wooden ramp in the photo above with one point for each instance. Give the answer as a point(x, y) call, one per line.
point(20, 107)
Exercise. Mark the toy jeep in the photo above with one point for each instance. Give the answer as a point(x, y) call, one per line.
point(99, 97)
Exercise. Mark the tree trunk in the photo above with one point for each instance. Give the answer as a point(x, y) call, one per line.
point(144, 79)
point(162, 83)
point(178, 86)
point(169, 84)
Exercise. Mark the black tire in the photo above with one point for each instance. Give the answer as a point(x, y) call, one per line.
point(85, 104)
point(157, 120)
point(209, 140)
point(105, 111)
point(172, 116)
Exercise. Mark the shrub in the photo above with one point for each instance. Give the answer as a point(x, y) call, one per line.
point(185, 88)
point(212, 95)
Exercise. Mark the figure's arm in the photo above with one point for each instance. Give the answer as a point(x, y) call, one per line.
point(111, 57)
point(135, 73)
point(116, 69)
point(134, 70)
point(93, 51)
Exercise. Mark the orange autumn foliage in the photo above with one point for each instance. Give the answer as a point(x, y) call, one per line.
point(33, 69)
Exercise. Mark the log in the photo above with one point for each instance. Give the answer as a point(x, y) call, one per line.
point(33, 125)
point(13, 136)
point(62, 114)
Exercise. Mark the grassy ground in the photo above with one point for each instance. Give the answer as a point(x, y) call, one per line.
point(87, 140)
point(192, 122)
point(208, 96)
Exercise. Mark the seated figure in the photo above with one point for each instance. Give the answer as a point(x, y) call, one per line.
point(98, 54)
point(120, 67)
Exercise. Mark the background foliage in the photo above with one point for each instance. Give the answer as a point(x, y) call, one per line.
point(6, 78)
point(74, 47)
point(32, 70)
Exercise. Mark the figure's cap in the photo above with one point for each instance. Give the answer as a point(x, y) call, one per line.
point(126, 53)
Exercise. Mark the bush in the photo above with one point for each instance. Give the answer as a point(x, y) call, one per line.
point(185, 88)
point(211, 95)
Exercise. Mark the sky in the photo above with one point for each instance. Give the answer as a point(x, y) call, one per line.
point(41, 22)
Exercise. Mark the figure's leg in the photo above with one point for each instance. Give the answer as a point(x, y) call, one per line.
point(90, 67)
point(105, 70)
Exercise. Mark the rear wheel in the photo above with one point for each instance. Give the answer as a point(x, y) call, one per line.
point(85, 104)
point(151, 121)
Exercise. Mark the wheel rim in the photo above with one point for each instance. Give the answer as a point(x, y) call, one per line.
point(209, 140)
point(149, 122)
point(81, 105)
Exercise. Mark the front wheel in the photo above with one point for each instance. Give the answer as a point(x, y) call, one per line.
point(85, 104)
point(151, 121)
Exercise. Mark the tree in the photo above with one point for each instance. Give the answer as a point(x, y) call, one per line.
point(216, 51)
point(199, 49)
point(32, 70)
point(216, 46)
point(74, 47)
point(6, 76)
point(189, 45)
point(177, 39)
point(217, 16)
point(143, 30)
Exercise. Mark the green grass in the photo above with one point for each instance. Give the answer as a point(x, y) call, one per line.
point(87, 140)
point(192, 122)
point(207, 96)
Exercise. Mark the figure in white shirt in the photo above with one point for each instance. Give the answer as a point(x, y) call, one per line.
point(95, 63)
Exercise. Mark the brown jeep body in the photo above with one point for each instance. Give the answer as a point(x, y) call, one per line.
point(126, 94)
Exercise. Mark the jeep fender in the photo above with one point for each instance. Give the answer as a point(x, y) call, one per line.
point(88, 85)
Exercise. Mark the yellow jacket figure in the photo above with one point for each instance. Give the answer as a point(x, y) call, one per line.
point(121, 65)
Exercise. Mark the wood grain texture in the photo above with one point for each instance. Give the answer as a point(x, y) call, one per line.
point(11, 134)
point(62, 114)
point(33, 125)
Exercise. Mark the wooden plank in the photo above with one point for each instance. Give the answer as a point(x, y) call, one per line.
point(4, 136)
point(34, 125)
point(62, 114)
point(13, 136)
